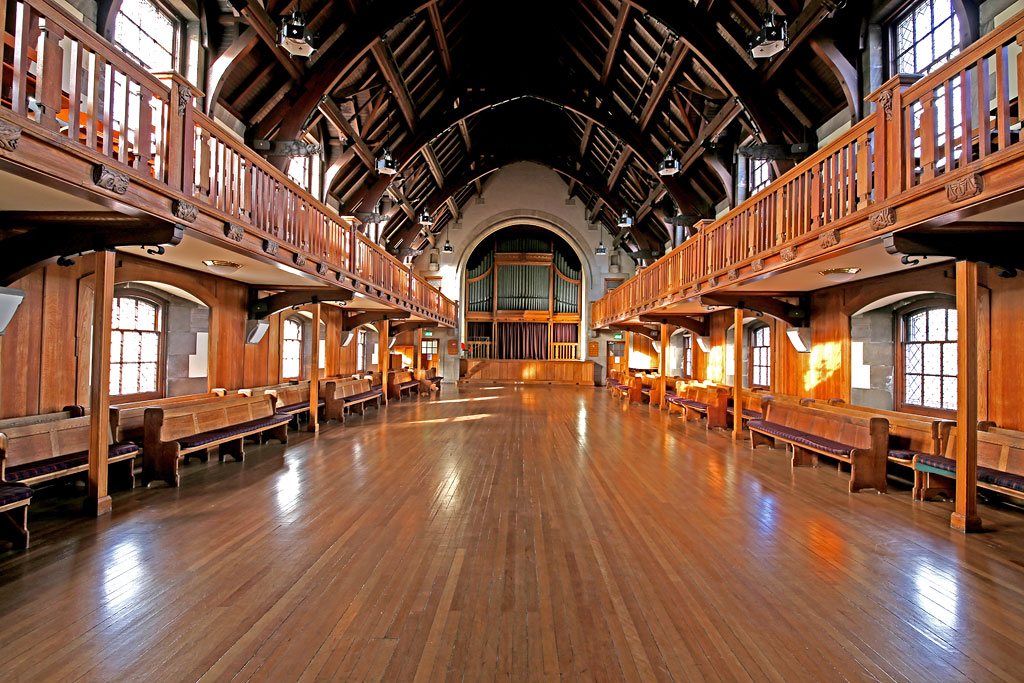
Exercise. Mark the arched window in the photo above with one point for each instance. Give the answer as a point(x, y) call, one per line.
point(291, 349)
point(147, 33)
point(688, 356)
point(760, 356)
point(928, 357)
point(136, 345)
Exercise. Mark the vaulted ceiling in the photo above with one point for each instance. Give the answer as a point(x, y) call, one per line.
point(597, 90)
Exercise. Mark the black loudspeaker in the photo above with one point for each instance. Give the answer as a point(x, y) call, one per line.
point(254, 330)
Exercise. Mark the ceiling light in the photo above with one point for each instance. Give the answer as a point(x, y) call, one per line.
point(839, 274)
point(10, 299)
point(222, 267)
point(426, 220)
point(770, 40)
point(625, 220)
point(295, 37)
point(447, 248)
point(669, 166)
point(385, 163)
point(800, 338)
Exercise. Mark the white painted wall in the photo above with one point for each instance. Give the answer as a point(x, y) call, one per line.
point(523, 193)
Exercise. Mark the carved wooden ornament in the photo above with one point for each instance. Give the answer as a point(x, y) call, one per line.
point(270, 247)
point(883, 218)
point(734, 273)
point(828, 239)
point(110, 179)
point(300, 259)
point(322, 269)
point(758, 265)
point(234, 232)
point(788, 254)
point(964, 188)
point(184, 211)
point(885, 101)
point(10, 134)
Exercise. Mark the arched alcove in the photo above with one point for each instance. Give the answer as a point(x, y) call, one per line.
point(523, 295)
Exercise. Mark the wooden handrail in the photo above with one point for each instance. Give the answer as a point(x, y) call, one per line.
point(148, 123)
point(904, 144)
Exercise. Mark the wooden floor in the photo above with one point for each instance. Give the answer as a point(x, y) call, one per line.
point(516, 534)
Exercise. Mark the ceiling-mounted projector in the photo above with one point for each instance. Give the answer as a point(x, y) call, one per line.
point(295, 38)
point(770, 40)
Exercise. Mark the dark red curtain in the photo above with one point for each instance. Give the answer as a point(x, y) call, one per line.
point(521, 341)
point(565, 333)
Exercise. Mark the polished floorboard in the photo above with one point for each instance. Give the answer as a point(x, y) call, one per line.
point(512, 533)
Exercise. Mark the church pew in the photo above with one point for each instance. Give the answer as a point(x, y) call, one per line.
point(1000, 465)
point(429, 380)
point(861, 440)
point(349, 395)
point(37, 452)
point(127, 419)
point(14, 502)
point(696, 401)
point(752, 407)
point(909, 434)
point(175, 431)
point(293, 399)
point(401, 383)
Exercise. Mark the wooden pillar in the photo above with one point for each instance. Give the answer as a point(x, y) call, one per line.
point(965, 518)
point(98, 499)
point(666, 336)
point(417, 354)
point(314, 375)
point(737, 376)
point(383, 357)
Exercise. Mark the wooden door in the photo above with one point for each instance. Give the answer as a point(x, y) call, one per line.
point(616, 358)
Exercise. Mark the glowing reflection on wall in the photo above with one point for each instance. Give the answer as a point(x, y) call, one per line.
point(716, 364)
point(826, 360)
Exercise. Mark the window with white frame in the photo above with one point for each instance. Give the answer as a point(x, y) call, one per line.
point(305, 172)
point(291, 349)
point(928, 339)
point(760, 174)
point(148, 34)
point(361, 351)
point(760, 356)
point(135, 340)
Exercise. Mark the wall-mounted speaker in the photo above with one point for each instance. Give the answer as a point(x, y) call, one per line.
point(347, 338)
point(254, 330)
point(10, 299)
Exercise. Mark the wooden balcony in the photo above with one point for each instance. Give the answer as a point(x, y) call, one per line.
point(78, 114)
point(915, 160)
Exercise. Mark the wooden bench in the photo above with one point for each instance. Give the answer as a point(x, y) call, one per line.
point(173, 432)
point(862, 441)
point(909, 434)
point(752, 407)
point(127, 420)
point(293, 399)
point(1000, 465)
point(266, 389)
point(401, 383)
point(617, 383)
point(430, 381)
point(696, 401)
point(38, 451)
point(14, 501)
point(350, 395)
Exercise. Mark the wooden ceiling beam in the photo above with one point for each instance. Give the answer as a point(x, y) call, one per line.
point(337, 119)
point(389, 69)
point(440, 38)
point(620, 164)
point(238, 49)
point(616, 38)
point(668, 74)
point(265, 27)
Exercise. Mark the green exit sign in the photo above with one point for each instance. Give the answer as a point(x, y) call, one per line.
point(428, 333)
point(617, 336)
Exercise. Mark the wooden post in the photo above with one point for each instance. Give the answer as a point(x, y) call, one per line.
point(737, 376)
point(666, 336)
point(97, 501)
point(383, 357)
point(314, 375)
point(965, 518)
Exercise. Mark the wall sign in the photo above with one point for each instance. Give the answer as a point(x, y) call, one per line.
point(428, 333)
point(592, 349)
point(617, 336)
point(453, 347)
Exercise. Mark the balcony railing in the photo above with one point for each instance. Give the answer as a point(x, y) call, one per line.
point(62, 76)
point(962, 117)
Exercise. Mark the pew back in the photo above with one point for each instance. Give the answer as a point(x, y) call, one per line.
point(907, 432)
point(127, 420)
point(997, 451)
point(176, 422)
point(850, 429)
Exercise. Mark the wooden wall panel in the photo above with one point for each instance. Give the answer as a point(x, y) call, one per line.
point(21, 372)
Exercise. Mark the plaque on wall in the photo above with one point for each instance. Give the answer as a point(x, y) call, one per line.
point(453, 347)
point(592, 349)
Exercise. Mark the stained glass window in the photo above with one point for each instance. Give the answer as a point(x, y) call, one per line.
point(147, 34)
point(291, 349)
point(760, 356)
point(134, 346)
point(929, 358)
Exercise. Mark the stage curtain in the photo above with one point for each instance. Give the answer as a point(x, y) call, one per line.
point(521, 341)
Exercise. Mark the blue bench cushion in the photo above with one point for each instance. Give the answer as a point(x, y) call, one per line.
point(411, 383)
point(689, 403)
point(903, 454)
point(64, 462)
point(670, 392)
point(241, 429)
point(12, 494)
point(986, 475)
point(802, 438)
point(749, 414)
point(356, 398)
point(645, 390)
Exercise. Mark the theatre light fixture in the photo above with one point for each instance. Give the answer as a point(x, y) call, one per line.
point(770, 40)
point(669, 166)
